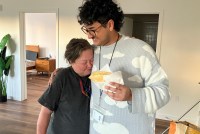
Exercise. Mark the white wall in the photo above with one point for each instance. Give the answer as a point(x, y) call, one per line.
point(180, 44)
point(41, 30)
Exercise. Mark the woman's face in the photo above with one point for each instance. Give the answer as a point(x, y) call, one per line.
point(83, 64)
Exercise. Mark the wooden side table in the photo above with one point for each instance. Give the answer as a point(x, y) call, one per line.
point(45, 65)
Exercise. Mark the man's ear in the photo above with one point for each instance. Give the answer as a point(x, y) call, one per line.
point(110, 25)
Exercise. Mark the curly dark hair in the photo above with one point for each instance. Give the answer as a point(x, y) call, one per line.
point(101, 11)
point(75, 47)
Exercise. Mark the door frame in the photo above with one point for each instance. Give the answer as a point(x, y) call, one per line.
point(23, 76)
point(160, 27)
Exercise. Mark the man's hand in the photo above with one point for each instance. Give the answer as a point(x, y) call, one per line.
point(120, 93)
point(53, 74)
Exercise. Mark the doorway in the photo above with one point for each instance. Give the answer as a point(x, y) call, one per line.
point(146, 27)
point(38, 28)
point(40, 31)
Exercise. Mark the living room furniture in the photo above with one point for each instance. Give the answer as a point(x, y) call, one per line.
point(45, 65)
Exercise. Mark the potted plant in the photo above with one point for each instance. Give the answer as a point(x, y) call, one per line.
point(5, 62)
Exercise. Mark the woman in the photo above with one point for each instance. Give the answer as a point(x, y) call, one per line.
point(65, 104)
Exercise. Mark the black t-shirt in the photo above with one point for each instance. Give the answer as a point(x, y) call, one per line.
point(70, 107)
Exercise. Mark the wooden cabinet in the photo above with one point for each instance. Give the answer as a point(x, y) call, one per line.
point(45, 65)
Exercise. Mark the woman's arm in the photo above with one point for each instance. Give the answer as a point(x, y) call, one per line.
point(43, 120)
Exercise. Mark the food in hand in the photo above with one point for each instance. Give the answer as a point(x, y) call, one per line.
point(97, 76)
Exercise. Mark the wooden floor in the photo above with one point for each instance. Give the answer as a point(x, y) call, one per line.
point(21, 117)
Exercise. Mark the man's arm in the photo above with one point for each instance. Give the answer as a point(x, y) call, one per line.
point(53, 74)
point(152, 96)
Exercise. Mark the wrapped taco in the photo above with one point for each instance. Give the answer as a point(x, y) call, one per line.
point(98, 76)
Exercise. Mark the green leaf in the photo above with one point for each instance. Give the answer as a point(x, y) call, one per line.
point(2, 63)
point(7, 64)
point(4, 41)
point(1, 73)
point(4, 88)
point(8, 61)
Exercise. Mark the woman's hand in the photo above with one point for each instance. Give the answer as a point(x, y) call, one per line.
point(53, 74)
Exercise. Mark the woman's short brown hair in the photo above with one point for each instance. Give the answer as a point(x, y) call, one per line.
point(75, 47)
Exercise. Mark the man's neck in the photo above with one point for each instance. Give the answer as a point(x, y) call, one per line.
point(114, 38)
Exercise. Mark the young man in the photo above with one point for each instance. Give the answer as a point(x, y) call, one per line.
point(130, 108)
